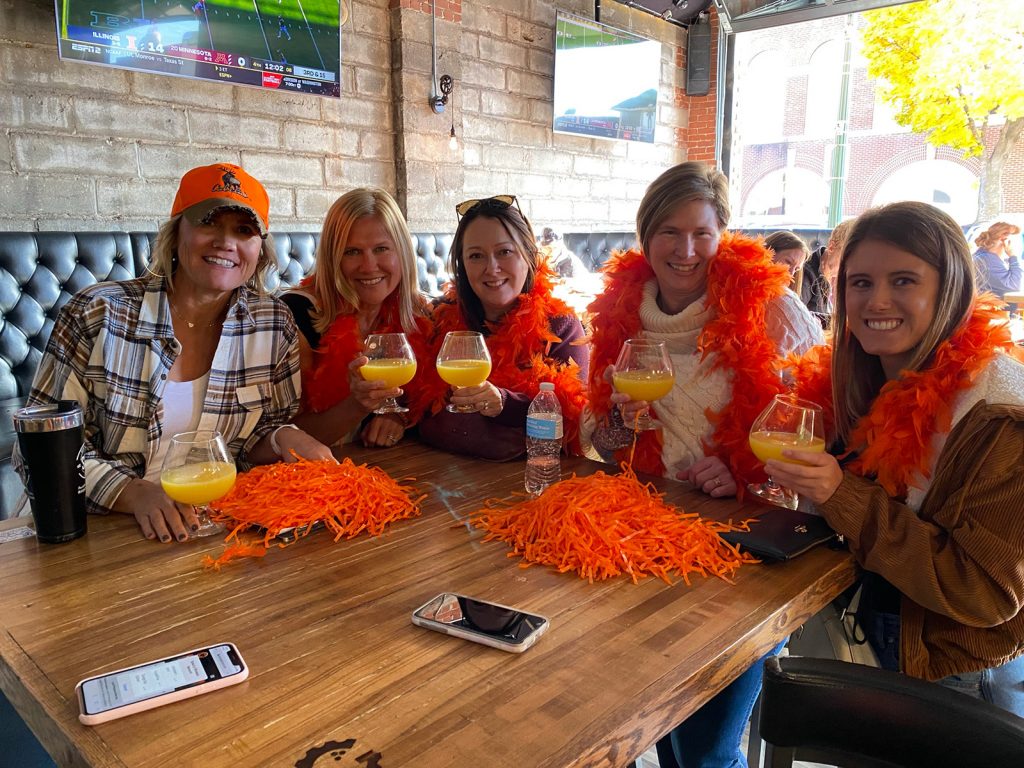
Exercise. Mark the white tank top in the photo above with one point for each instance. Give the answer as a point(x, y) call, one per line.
point(183, 405)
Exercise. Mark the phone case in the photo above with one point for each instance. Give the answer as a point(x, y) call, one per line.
point(167, 698)
point(476, 637)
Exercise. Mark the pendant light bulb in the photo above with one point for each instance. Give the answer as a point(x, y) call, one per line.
point(453, 142)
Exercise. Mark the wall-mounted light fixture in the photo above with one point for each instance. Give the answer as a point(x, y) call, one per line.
point(441, 89)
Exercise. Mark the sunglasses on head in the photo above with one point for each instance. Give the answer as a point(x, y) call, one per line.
point(496, 203)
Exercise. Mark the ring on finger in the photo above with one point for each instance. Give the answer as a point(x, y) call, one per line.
point(718, 482)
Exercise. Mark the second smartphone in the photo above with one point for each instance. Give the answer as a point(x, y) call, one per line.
point(497, 626)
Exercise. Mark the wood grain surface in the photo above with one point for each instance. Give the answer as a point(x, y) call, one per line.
point(336, 664)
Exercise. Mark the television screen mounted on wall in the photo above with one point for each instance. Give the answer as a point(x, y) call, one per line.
point(606, 81)
point(288, 45)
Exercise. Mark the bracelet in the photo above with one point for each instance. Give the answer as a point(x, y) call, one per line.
point(273, 437)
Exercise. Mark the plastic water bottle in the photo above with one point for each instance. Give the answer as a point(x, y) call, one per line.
point(543, 440)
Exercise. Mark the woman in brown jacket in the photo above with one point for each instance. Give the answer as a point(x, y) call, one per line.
point(928, 486)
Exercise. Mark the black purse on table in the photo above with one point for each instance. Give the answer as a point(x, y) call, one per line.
point(782, 534)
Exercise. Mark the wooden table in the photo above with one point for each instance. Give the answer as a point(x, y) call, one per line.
point(334, 658)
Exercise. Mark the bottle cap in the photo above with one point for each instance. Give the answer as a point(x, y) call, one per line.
point(547, 386)
point(53, 417)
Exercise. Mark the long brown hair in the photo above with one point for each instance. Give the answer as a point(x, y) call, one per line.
point(518, 228)
point(784, 240)
point(935, 238)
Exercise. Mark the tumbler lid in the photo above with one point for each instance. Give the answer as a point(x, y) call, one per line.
point(64, 414)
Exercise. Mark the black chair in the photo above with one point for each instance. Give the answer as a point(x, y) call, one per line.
point(854, 716)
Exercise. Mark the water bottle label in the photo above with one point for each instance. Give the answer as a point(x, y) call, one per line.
point(544, 427)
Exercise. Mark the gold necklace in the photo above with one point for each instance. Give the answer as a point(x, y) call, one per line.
point(217, 321)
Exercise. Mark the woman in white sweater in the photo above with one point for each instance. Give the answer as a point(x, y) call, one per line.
point(723, 310)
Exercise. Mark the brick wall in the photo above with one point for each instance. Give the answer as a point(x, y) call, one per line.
point(88, 147)
point(695, 130)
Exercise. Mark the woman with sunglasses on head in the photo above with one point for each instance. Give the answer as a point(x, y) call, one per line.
point(927, 482)
point(727, 318)
point(196, 344)
point(502, 290)
point(364, 282)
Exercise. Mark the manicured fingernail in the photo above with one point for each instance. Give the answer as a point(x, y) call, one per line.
point(165, 539)
point(195, 526)
point(182, 536)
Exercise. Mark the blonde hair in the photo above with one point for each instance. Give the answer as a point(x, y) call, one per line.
point(333, 294)
point(164, 258)
point(995, 233)
point(784, 240)
point(681, 184)
point(935, 238)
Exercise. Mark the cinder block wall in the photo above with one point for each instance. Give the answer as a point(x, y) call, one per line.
point(87, 147)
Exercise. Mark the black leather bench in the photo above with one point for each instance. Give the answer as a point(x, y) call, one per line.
point(40, 271)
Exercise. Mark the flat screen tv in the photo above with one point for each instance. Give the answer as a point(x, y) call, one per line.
point(290, 45)
point(606, 81)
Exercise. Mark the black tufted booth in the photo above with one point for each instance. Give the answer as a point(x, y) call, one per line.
point(594, 248)
point(40, 271)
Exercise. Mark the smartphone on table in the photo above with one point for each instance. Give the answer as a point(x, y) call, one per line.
point(155, 683)
point(497, 626)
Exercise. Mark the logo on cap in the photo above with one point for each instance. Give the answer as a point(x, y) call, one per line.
point(230, 183)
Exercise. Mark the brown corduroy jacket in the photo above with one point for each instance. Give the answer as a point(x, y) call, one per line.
point(959, 560)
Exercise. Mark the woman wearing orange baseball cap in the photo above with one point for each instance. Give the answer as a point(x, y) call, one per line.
point(195, 344)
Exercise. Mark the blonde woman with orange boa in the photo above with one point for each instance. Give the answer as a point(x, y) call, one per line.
point(364, 281)
point(502, 288)
point(928, 487)
point(727, 317)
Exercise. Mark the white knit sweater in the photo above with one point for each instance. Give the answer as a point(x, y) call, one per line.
point(698, 388)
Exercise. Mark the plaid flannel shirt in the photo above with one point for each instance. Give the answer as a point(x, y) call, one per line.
point(112, 348)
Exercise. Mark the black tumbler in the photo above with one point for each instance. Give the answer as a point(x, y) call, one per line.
point(50, 438)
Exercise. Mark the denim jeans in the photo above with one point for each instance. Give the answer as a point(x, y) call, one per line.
point(1002, 686)
point(712, 736)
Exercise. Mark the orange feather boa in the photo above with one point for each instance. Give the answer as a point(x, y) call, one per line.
point(327, 383)
point(518, 345)
point(742, 281)
point(893, 441)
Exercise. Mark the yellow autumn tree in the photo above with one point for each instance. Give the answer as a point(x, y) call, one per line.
point(954, 71)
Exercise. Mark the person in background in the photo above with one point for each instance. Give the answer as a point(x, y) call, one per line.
point(563, 261)
point(195, 344)
point(788, 249)
point(724, 311)
point(820, 274)
point(925, 479)
point(364, 281)
point(504, 291)
point(998, 268)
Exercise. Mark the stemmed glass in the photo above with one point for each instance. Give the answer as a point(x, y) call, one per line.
point(198, 469)
point(787, 423)
point(392, 361)
point(644, 372)
point(463, 362)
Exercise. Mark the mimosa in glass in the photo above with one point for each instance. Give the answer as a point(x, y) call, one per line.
point(463, 362)
point(198, 469)
point(787, 423)
point(392, 361)
point(644, 372)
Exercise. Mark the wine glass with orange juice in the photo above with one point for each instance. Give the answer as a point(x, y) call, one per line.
point(391, 360)
point(644, 372)
point(787, 423)
point(463, 362)
point(198, 469)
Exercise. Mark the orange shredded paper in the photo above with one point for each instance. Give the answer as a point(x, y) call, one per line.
point(604, 525)
point(347, 498)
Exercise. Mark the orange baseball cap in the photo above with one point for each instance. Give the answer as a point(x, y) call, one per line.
point(206, 189)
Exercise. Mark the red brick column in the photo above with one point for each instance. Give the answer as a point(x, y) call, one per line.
point(697, 137)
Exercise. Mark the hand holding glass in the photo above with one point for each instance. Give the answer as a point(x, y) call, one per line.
point(392, 361)
point(463, 362)
point(198, 469)
point(644, 372)
point(787, 423)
